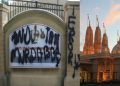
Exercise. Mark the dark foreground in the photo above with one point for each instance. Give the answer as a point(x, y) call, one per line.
point(101, 84)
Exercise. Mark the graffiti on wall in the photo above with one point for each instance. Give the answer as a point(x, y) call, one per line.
point(75, 62)
point(71, 34)
point(34, 45)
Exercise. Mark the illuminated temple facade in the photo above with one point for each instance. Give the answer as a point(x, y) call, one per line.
point(97, 63)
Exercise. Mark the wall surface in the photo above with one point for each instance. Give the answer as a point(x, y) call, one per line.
point(61, 76)
point(3, 20)
point(116, 69)
point(36, 76)
point(69, 80)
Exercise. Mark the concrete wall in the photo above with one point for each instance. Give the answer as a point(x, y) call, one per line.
point(3, 20)
point(69, 80)
point(35, 76)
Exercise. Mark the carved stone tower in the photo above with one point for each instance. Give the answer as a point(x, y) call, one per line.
point(105, 48)
point(97, 39)
point(88, 46)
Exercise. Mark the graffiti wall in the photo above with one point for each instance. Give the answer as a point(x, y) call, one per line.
point(34, 45)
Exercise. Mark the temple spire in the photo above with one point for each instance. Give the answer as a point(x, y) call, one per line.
point(88, 20)
point(97, 38)
point(88, 46)
point(97, 20)
point(104, 28)
point(105, 48)
point(118, 37)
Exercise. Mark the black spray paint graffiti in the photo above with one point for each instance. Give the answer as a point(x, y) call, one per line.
point(23, 37)
point(76, 64)
point(50, 50)
point(71, 34)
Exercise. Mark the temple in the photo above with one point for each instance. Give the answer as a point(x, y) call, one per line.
point(97, 63)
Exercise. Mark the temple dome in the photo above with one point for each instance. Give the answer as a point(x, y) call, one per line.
point(116, 48)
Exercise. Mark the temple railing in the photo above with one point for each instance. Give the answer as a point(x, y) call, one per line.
point(16, 7)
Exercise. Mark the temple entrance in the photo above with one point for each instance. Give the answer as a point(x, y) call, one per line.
point(101, 76)
point(104, 76)
point(85, 75)
point(107, 75)
point(105, 70)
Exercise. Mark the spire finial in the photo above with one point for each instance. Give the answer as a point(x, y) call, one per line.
point(97, 20)
point(118, 38)
point(88, 19)
point(104, 28)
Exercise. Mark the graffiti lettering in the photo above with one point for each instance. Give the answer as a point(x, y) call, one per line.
point(71, 34)
point(29, 55)
point(26, 48)
point(76, 64)
point(23, 36)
